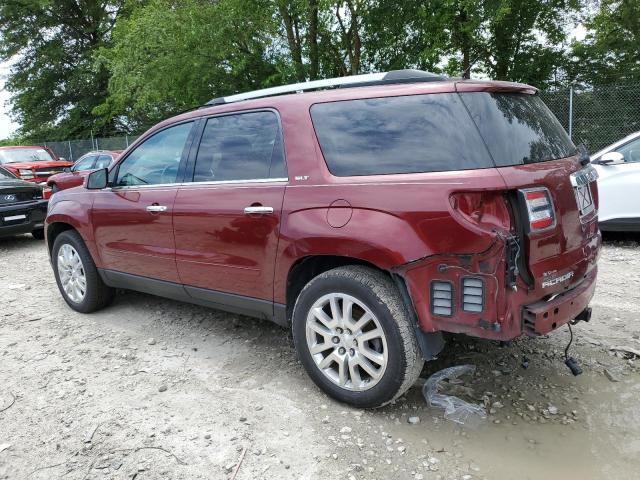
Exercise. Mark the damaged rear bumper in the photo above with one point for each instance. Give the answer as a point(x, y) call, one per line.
point(542, 317)
point(509, 307)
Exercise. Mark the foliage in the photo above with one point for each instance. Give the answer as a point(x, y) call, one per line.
point(176, 55)
point(611, 50)
point(55, 83)
point(109, 66)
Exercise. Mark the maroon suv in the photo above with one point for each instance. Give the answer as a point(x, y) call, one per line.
point(369, 214)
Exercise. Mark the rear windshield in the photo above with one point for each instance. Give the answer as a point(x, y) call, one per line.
point(24, 155)
point(518, 128)
point(410, 134)
point(434, 132)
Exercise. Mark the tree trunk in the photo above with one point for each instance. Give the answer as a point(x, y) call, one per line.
point(294, 43)
point(314, 55)
point(465, 43)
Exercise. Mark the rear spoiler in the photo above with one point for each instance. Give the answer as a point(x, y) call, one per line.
point(494, 86)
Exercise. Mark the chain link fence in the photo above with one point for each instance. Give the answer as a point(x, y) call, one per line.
point(74, 149)
point(596, 116)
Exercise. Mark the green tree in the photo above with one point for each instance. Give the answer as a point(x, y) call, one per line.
point(169, 56)
point(517, 40)
point(55, 84)
point(611, 50)
point(525, 40)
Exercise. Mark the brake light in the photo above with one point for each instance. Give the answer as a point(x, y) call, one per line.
point(539, 208)
point(487, 210)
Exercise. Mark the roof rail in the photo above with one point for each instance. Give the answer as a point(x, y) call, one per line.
point(369, 79)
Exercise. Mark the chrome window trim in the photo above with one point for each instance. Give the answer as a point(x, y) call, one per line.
point(184, 184)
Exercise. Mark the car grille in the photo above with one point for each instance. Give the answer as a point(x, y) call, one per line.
point(48, 171)
point(18, 197)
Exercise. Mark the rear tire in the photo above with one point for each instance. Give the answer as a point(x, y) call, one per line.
point(38, 234)
point(76, 274)
point(354, 336)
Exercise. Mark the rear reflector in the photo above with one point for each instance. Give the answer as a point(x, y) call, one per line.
point(539, 208)
point(441, 298)
point(472, 294)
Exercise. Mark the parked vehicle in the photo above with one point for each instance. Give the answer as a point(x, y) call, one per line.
point(75, 175)
point(33, 164)
point(22, 207)
point(618, 167)
point(368, 219)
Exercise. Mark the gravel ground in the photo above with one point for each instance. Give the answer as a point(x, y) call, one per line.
point(152, 388)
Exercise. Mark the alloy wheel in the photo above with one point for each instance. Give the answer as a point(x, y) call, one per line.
point(71, 272)
point(346, 341)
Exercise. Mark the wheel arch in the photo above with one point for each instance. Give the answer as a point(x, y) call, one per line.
point(54, 229)
point(306, 268)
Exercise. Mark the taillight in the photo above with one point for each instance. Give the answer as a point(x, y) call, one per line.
point(539, 208)
point(486, 210)
point(46, 193)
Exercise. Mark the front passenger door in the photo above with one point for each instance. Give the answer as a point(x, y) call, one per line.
point(227, 220)
point(133, 219)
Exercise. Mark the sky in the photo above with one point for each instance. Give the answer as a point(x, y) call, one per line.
point(7, 127)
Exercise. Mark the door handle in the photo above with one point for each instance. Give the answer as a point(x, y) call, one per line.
point(156, 208)
point(258, 210)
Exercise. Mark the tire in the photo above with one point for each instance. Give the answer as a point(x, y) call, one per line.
point(38, 234)
point(373, 295)
point(54, 188)
point(96, 295)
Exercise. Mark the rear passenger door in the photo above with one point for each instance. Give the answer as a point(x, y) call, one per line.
point(226, 221)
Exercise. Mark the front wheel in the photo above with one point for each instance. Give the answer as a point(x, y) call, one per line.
point(76, 274)
point(354, 336)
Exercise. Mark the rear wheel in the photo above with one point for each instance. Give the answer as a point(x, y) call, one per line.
point(76, 274)
point(354, 336)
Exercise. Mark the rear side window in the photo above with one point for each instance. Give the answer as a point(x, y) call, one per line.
point(409, 134)
point(246, 146)
point(518, 128)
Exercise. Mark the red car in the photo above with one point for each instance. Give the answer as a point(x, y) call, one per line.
point(75, 175)
point(33, 163)
point(368, 216)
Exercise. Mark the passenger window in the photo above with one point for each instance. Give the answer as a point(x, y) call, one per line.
point(246, 146)
point(157, 159)
point(85, 163)
point(631, 151)
point(103, 161)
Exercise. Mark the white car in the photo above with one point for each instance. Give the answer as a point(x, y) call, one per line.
point(618, 167)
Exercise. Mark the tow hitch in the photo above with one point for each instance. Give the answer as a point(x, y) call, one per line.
point(571, 362)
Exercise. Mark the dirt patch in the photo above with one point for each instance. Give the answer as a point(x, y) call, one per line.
point(151, 388)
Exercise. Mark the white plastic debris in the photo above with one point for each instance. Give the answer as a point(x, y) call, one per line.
point(455, 409)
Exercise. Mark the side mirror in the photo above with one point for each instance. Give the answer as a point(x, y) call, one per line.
point(66, 170)
point(611, 157)
point(98, 180)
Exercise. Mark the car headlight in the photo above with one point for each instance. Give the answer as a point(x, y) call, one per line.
point(25, 173)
